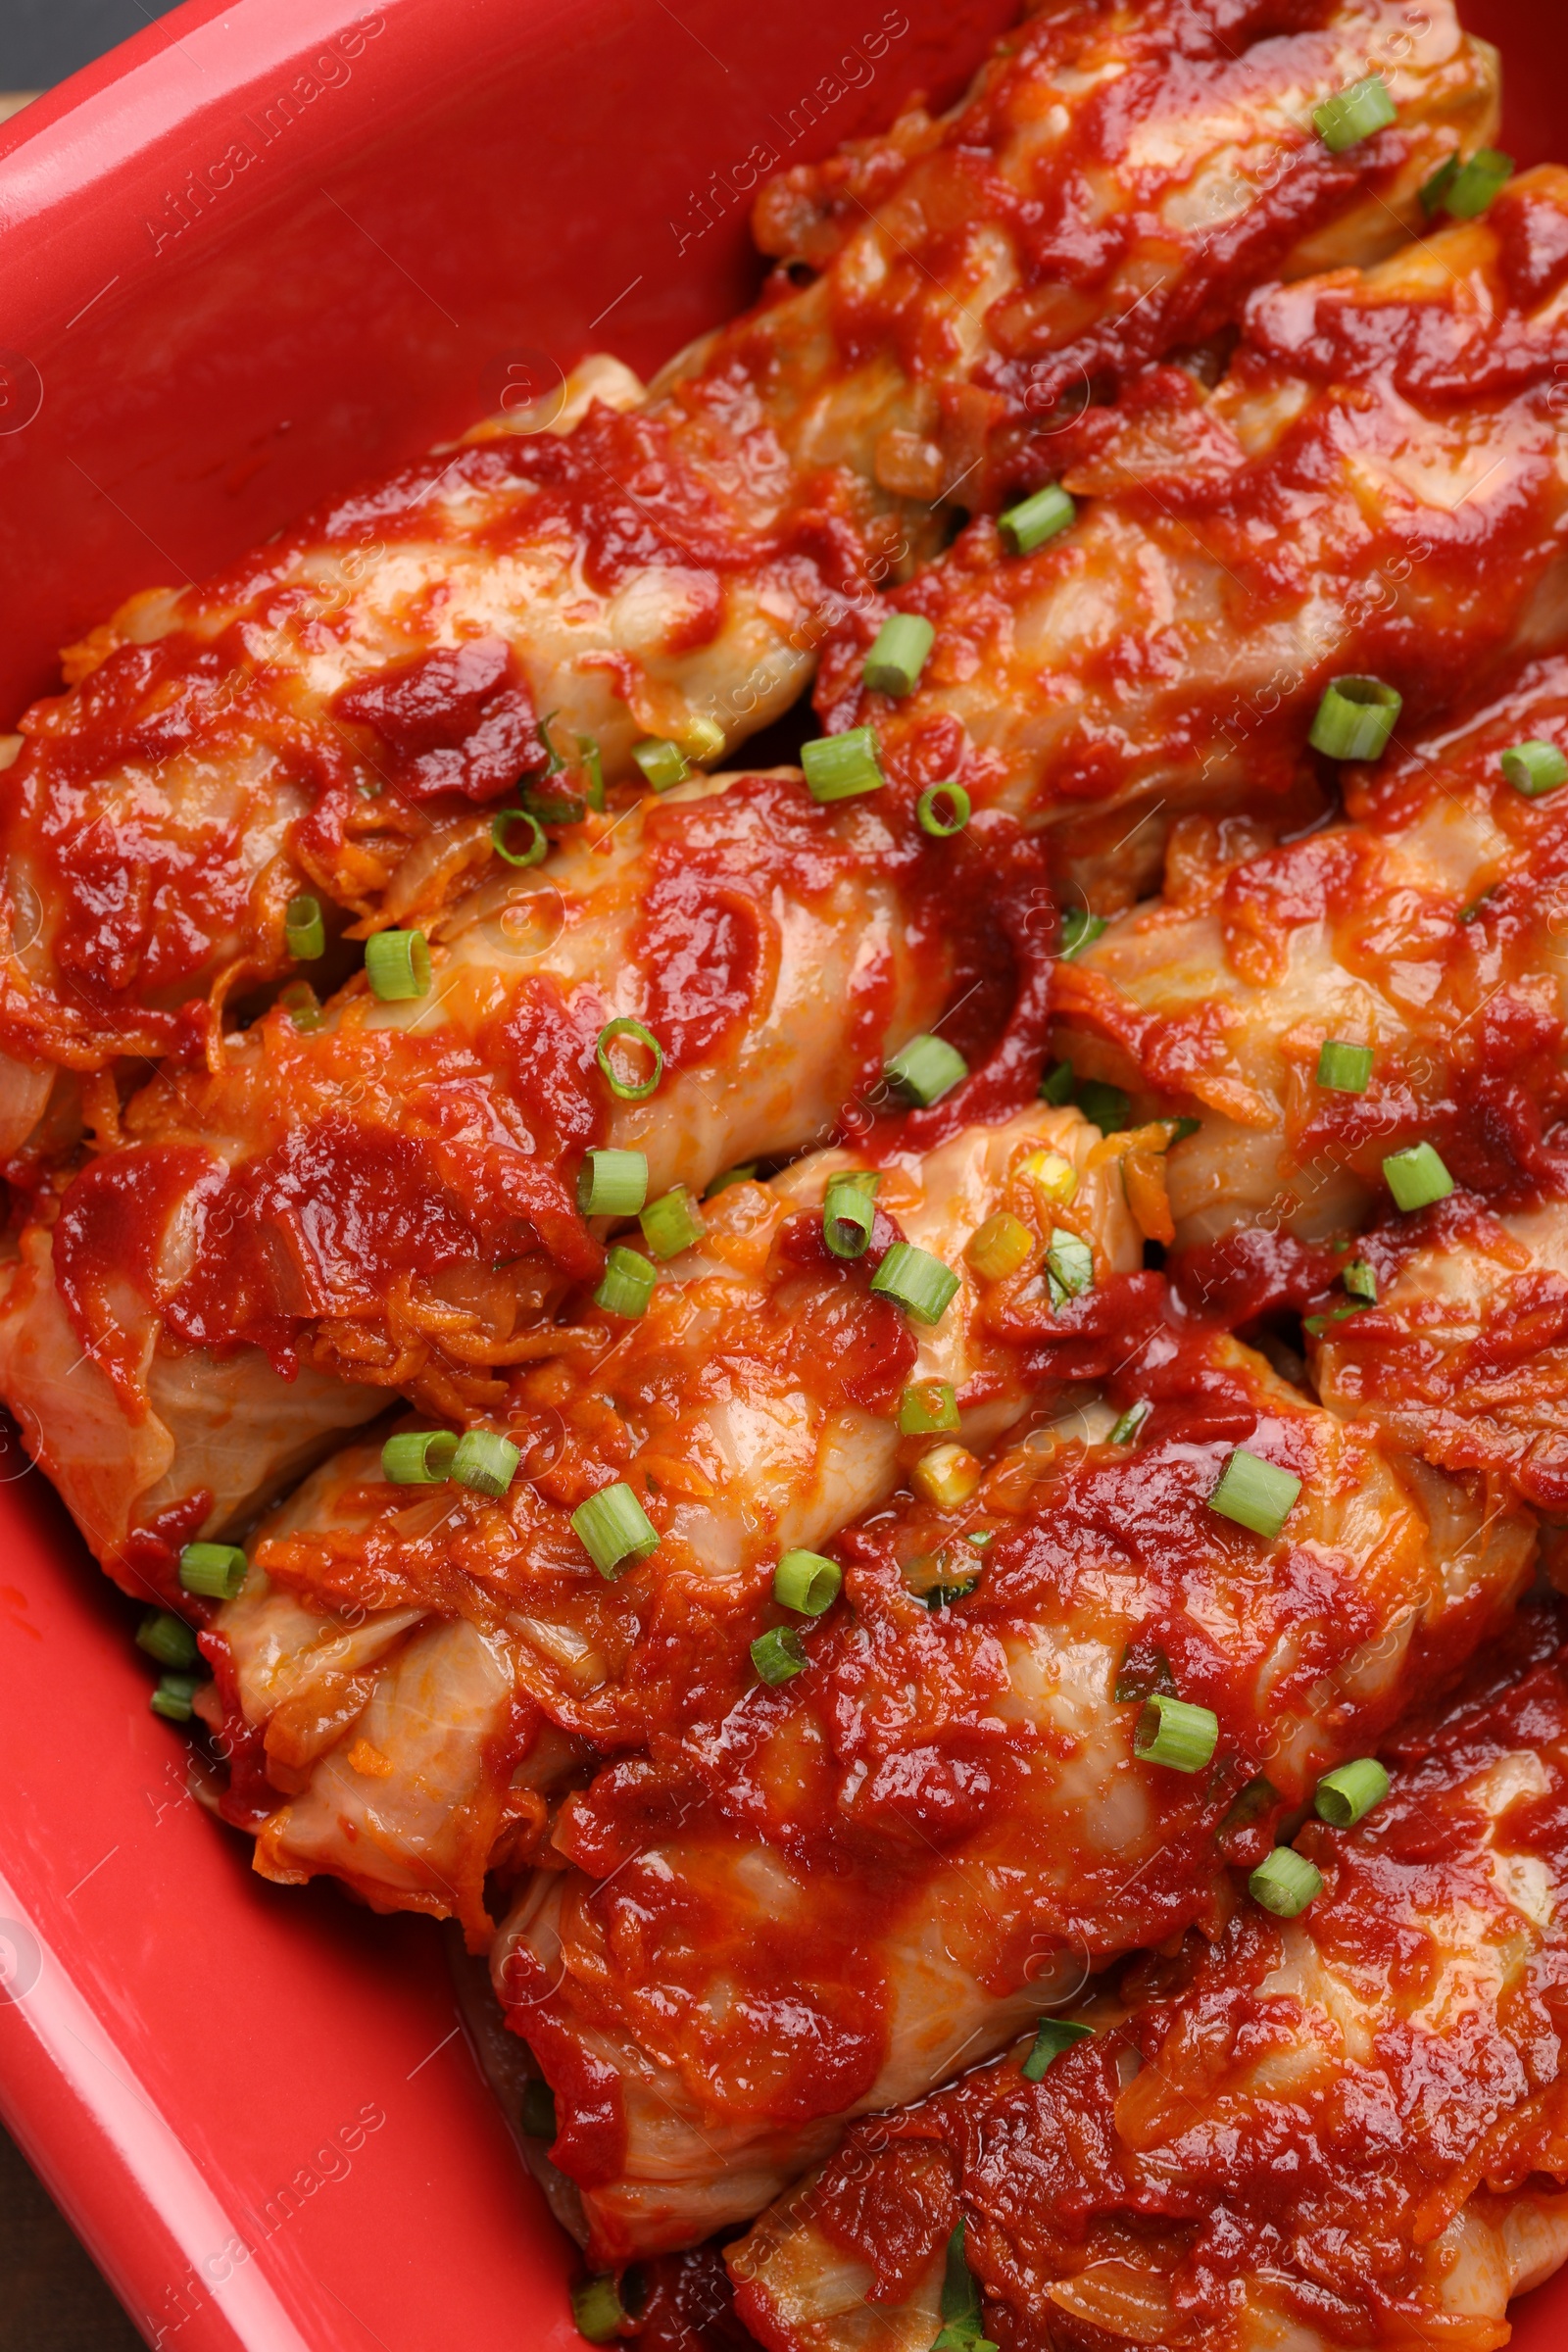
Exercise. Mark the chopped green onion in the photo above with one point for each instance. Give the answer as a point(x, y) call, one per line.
point(593, 768)
point(1348, 1794)
point(1316, 1324)
point(1175, 1734)
point(703, 737)
point(301, 1005)
point(1069, 1266)
point(778, 1654)
point(849, 1212)
point(1353, 115)
point(1285, 1882)
point(1464, 190)
point(553, 762)
point(538, 2117)
point(926, 1069)
point(1355, 718)
point(1057, 1084)
point(663, 763)
point(627, 1285)
point(1534, 768)
point(807, 1582)
point(214, 1570)
point(174, 1697)
point(168, 1639)
point(1416, 1177)
point(1360, 1280)
point(1345, 1069)
point(1132, 1421)
point(550, 809)
point(1475, 185)
point(1056, 2034)
point(484, 1462)
point(928, 810)
point(916, 1281)
point(948, 1475)
point(1255, 1493)
point(1437, 186)
point(927, 1406)
point(597, 2310)
point(839, 766)
point(1034, 521)
point(896, 660)
point(625, 1089)
point(418, 1457)
point(304, 932)
point(537, 844)
point(611, 1184)
point(397, 965)
point(745, 1173)
point(672, 1223)
point(1102, 1105)
point(1054, 1174)
point(1078, 928)
point(614, 1529)
point(1000, 1246)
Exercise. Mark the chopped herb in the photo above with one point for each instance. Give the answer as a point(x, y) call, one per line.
point(1105, 1106)
point(1056, 2034)
point(1078, 928)
point(960, 2304)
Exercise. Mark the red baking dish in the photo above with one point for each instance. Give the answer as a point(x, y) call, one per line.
point(261, 249)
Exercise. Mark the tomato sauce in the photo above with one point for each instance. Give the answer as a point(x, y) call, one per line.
point(149, 1557)
point(1155, 2148)
point(458, 721)
point(895, 1769)
point(683, 2303)
point(380, 1159)
point(247, 1797)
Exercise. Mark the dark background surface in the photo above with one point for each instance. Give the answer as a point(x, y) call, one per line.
point(41, 41)
point(51, 2298)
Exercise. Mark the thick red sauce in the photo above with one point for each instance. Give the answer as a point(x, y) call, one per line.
point(1177, 2163)
point(249, 1796)
point(907, 1758)
point(898, 1766)
point(1069, 332)
point(1431, 591)
point(381, 1157)
point(148, 1561)
point(672, 1637)
point(455, 722)
point(144, 909)
point(683, 2303)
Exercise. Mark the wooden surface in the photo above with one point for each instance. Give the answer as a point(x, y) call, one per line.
point(51, 2298)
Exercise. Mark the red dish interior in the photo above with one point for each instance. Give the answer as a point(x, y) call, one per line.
point(261, 249)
